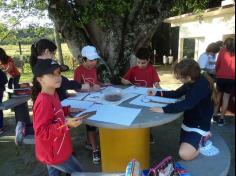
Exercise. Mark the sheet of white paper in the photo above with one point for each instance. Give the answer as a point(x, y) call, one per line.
point(152, 101)
point(139, 90)
point(114, 114)
point(98, 97)
point(78, 96)
point(77, 103)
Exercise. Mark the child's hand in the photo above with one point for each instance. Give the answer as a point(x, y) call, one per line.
point(73, 122)
point(156, 109)
point(125, 81)
point(95, 88)
point(85, 87)
point(157, 85)
point(151, 92)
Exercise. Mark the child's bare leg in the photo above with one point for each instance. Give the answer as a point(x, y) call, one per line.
point(187, 152)
point(217, 107)
point(92, 136)
point(225, 104)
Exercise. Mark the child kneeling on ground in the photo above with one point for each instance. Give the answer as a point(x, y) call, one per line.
point(198, 106)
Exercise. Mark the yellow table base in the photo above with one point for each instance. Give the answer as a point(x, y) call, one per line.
point(118, 147)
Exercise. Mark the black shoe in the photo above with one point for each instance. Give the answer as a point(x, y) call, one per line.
point(96, 157)
point(221, 122)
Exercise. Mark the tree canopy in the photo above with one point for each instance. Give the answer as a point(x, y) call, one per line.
point(116, 27)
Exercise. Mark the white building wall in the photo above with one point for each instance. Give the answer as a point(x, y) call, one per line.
point(208, 30)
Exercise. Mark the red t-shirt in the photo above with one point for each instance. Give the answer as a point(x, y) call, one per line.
point(84, 75)
point(52, 144)
point(14, 71)
point(225, 65)
point(145, 77)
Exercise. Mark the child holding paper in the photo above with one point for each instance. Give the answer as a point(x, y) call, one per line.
point(198, 105)
point(53, 144)
point(87, 73)
point(143, 74)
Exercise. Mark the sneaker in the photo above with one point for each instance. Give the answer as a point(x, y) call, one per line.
point(221, 122)
point(96, 157)
point(152, 139)
point(215, 118)
point(20, 133)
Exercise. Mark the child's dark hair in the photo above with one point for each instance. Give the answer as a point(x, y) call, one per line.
point(189, 67)
point(3, 56)
point(143, 54)
point(84, 59)
point(39, 47)
point(230, 45)
point(36, 89)
point(213, 48)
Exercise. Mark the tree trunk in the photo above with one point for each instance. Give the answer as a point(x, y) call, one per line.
point(58, 43)
point(116, 42)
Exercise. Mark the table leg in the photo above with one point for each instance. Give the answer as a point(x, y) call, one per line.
point(118, 147)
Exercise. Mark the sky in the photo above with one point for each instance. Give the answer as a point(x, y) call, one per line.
point(43, 20)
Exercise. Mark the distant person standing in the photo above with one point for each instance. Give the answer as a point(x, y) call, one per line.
point(3, 81)
point(225, 75)
point(207, 60)
point(9, 67)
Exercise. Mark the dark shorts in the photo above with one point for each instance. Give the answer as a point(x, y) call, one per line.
point(91, 128)
point(225, 85)
point(191, 138)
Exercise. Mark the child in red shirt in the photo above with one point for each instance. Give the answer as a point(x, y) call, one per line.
point(87, 73)
point(225, 78)
point(9, 67)
point(143, 74)
point(53, 144)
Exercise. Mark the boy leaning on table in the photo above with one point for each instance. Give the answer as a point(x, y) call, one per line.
point(87, 73)
point(143, 74)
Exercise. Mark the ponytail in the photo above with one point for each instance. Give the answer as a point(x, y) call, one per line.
point(38, 48)
point(214, 96)
point(34, 55)
point(36, 89)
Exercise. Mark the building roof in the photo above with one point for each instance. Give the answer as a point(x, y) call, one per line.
point(212, 12)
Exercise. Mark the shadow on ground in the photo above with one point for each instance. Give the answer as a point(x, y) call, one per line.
point(20, 161)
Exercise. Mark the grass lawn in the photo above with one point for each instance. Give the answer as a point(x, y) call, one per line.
point(27, 76)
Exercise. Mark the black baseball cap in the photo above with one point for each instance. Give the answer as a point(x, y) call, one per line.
point(45, 66)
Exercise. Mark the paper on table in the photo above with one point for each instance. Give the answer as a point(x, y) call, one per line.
point(114, 114)
point(152, 101)
point(139, 90)
point(77, 103)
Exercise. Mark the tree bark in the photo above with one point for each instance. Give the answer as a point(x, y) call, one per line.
point(117, 41)
point(58, 43)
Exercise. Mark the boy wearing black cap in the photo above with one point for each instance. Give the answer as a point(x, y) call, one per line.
point(53, 144)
